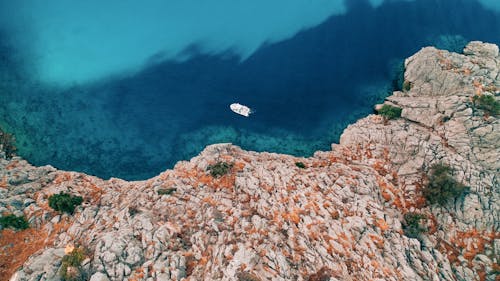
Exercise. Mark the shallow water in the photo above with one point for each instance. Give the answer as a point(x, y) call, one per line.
point(305, 87)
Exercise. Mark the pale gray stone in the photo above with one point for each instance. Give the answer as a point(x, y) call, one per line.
point(98, 276)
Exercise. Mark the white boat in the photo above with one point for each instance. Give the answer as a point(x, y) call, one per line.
point(240, 109)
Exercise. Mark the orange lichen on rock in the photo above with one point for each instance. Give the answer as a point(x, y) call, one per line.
point(227, 181)
point(292, 216)
point(379, 241)
point(386, 195)
point(205, 179)
point(93, 191)
point(17, 246)
point(432, 224)
point(267, 187)
point(3, 183)
point(375, 264)
point(469, 244)
point(63, 177)
point(379, 166)
point(12, 165)
point(138, 274)
point(202, 177)
point(238, 166)
point(344, 241)
point(226, 157)
point(211, 201)
point(382, 224)
point(323, 274)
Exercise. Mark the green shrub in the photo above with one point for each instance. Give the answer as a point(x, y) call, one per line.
point(442, 186)
point(71, 269)
point(300, 165)
point(7, 144)
point(219, 169)
point(414, 224)
point(390, 112)
point(64, 202)
point(166, 191)
point(487, 103)
point(11, 221)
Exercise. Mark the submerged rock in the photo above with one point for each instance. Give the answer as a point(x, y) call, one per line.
point(339, 218)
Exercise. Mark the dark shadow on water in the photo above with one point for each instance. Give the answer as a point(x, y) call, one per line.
point(297, 85)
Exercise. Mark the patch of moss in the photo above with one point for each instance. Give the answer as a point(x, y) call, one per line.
point(390, 112)
point(487, 103)
point(442, 186)
point(300, 165)
point(414, 224)
point(14, 222)
point(64, 202)
point(219, 169)
point(7, 142)
point(71, 269)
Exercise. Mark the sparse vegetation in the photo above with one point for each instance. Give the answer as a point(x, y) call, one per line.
point(324, 274)
point(64, 202)
point(166, 191)
point(7, 142)
point(300, 165)
point(71, 269)
point(390, 112)
point(442, 186)
point(414, 224)
point(487, 103)
point(14, 222)
point(406, 86)
point(219, 169)
point(132, 211)
point(247, 276)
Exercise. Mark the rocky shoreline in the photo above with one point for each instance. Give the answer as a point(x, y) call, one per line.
point(338, 215)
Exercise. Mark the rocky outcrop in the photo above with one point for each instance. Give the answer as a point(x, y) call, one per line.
point(339, 218)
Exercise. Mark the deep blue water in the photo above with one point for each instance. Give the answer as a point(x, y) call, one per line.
point(305, 90)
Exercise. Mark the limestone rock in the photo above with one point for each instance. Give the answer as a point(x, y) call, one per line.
point(342, 217)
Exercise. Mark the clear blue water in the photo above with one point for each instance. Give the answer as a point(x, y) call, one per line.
point(130, 98)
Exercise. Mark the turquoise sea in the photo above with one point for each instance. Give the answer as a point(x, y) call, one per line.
point(128, 88)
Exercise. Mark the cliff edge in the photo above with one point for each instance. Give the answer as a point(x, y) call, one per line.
point(361, 211)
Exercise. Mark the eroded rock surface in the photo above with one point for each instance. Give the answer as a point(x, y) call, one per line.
point(339, 218)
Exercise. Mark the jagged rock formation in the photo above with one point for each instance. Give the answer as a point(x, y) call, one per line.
point(339, 218)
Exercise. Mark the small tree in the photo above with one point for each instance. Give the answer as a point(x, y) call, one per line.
point(11, 221)
point(390, 112)
point(414, 224)
point(442, 186)
point(219, 169)
point(64, 202)
point(487, 103)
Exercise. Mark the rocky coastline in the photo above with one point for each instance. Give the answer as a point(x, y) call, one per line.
point(338, 215)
